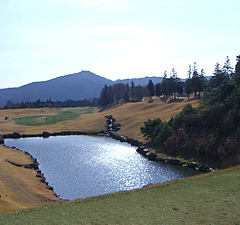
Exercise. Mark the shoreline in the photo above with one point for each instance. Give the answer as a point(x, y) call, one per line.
point(142, 149)
point(33, 165)
point(20, 187)
point(90, 123)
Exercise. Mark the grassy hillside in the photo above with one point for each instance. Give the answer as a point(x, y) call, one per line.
point(205, 199)
point(130, 115)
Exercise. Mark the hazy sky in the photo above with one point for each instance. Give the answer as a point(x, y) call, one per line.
point(116, 39)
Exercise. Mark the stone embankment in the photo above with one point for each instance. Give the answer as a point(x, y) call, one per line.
point(46, 134)
point(153, 156)
point(112, 128)
point(34, 166)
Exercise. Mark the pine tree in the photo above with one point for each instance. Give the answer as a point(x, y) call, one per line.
point(132, 89)
point(188, 87)
point(151, 88)
point(174, 82)
point(237, 71)
point(127, 94)
point(201, 82)
point(227, 69)
point(195, 80)
point(218, 76)
point(164, 83)
point(158, 89)
point(103, 96)
point(189, 71)
point(171, 86)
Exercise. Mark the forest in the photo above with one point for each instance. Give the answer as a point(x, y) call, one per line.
point(52, 104)
point(209, 134)
point(170, 86)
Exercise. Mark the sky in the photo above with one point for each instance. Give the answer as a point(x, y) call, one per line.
point(115, 39)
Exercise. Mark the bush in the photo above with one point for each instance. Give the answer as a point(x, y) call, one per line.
point(149, 127)
point(161, 133)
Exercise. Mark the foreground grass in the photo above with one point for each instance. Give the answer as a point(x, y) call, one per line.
point(206, 199)
point(64, 115)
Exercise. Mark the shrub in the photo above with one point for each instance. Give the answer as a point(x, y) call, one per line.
point(161, 133)
point(149, 126)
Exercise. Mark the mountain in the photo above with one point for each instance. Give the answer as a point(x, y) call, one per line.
point(140, 81)
point(77, 86)
point(74, 86)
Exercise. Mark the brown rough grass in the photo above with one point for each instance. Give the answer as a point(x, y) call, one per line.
point(130, 115)
point(20, 188)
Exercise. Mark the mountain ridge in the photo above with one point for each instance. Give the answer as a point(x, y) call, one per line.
point(76, 86)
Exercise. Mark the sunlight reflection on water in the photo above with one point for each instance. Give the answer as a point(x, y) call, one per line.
point(85, 166)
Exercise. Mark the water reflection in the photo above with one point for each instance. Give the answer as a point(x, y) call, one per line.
point(84, 166)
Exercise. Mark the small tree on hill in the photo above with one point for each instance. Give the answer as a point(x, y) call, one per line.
point(237, 71)
point(127, 93)
point(218, 76)
point(195, 80)
point(188, 86)
point(201, 82)
point(151, 88)
point(158, 89)
point(174, 82)
point(227, 69)
point(164, 84)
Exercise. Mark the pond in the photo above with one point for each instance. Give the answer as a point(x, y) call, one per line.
point(86, 166)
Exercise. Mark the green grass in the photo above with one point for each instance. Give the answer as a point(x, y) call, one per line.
point(85, 110)
point(66, 114)
point(206, 199)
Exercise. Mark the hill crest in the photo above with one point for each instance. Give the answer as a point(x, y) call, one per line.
point(76, 86)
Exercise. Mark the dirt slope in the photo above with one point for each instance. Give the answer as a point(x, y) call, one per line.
point(19, 187)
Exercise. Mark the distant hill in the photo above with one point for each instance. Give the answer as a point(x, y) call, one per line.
point(77, 86)
point(140, 81)
point(74, 86)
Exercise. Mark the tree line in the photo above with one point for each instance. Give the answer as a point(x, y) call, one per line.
point(120, 91)
point(172, 86)
point(210, 133)
point(52, 104)
point(132, 93)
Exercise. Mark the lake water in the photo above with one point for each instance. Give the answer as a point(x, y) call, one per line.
point(85, 166)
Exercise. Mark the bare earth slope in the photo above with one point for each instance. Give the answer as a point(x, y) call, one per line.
point(20, 188)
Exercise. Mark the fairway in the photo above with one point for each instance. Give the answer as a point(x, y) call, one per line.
point(65, 114)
